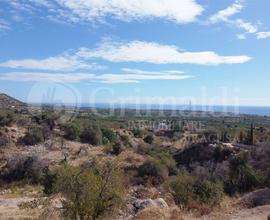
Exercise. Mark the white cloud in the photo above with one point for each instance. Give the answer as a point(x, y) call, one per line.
point(150, 52)
point(224, 14)
point(37, 76)
point(4, 26)
point(246, 26)
point(128, 70)
point(92, 10)
point(64, 62)
point(263, 35)
point(135, 77)
point(77, 11)
point(134, 51)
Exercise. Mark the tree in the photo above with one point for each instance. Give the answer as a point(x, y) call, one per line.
point(90, 193)
point(251, 135)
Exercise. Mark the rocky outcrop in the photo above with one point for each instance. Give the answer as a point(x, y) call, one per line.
point(150, 203)
point(257, 198)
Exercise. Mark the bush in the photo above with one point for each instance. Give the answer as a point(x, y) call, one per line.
point(243, 177)
point(72, 131)
point(208, 192)
point(149, 139)
point(24, 168)
point(92, 135)
point(182, 189)
point(33, 136)
point(138, 133)
point(196, 153)
point(187, 189)
point(165, 157)
point(153, 168)
point(89, 193)
point(117, 149)
point(108, 136)
point(4, 140)
point(6, 118)
point(221, 154)
point(48, 181)
point(125, 140)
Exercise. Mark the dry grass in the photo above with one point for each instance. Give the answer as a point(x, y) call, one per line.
point(129, 158)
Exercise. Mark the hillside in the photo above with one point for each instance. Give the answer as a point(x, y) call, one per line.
point(10, 102)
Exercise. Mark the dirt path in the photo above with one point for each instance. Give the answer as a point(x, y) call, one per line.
point(9, 208)
point(258, 213)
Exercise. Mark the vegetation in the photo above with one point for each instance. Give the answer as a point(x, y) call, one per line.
point(242, 175)
point(195, 165)
point(6, 118)
point(33, 136)
point(188, 189)
point(92, 134)
point(72, 131)
point(154, 169)
point(24, 168)
point(108, 136)
point(149, 139)
point(89, 193)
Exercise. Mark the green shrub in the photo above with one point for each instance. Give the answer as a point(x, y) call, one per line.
point(153, 168)
point(149, 139)
point(6, 118)
point(48, 181)
point(92, 135)
point(24, 168)
point(243, 177)
point(187, 189)
point(33, 136)
point(89, 193)
point(138, 133)
point(182, 189)
point(208, 192)
point(125, 140)
point(165, 157)
point(108, 136)
point(196, 153)
point(117, 149)
point(72, 131)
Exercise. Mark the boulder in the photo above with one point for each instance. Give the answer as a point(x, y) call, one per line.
point(150, 203)
point(257, 198)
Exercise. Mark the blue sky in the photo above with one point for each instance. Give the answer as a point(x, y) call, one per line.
point(173, 51)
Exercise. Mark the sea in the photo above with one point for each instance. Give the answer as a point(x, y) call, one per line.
point(246, 110)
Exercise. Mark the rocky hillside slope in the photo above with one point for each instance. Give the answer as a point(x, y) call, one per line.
point(9, 102)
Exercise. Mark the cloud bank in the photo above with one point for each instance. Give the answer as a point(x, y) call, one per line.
point(151, 52)
point(133, 76)
point(122, 52)
point(76, 11)
point(67, 62)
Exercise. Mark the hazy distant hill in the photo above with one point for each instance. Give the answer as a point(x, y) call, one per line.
point(10, 102)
